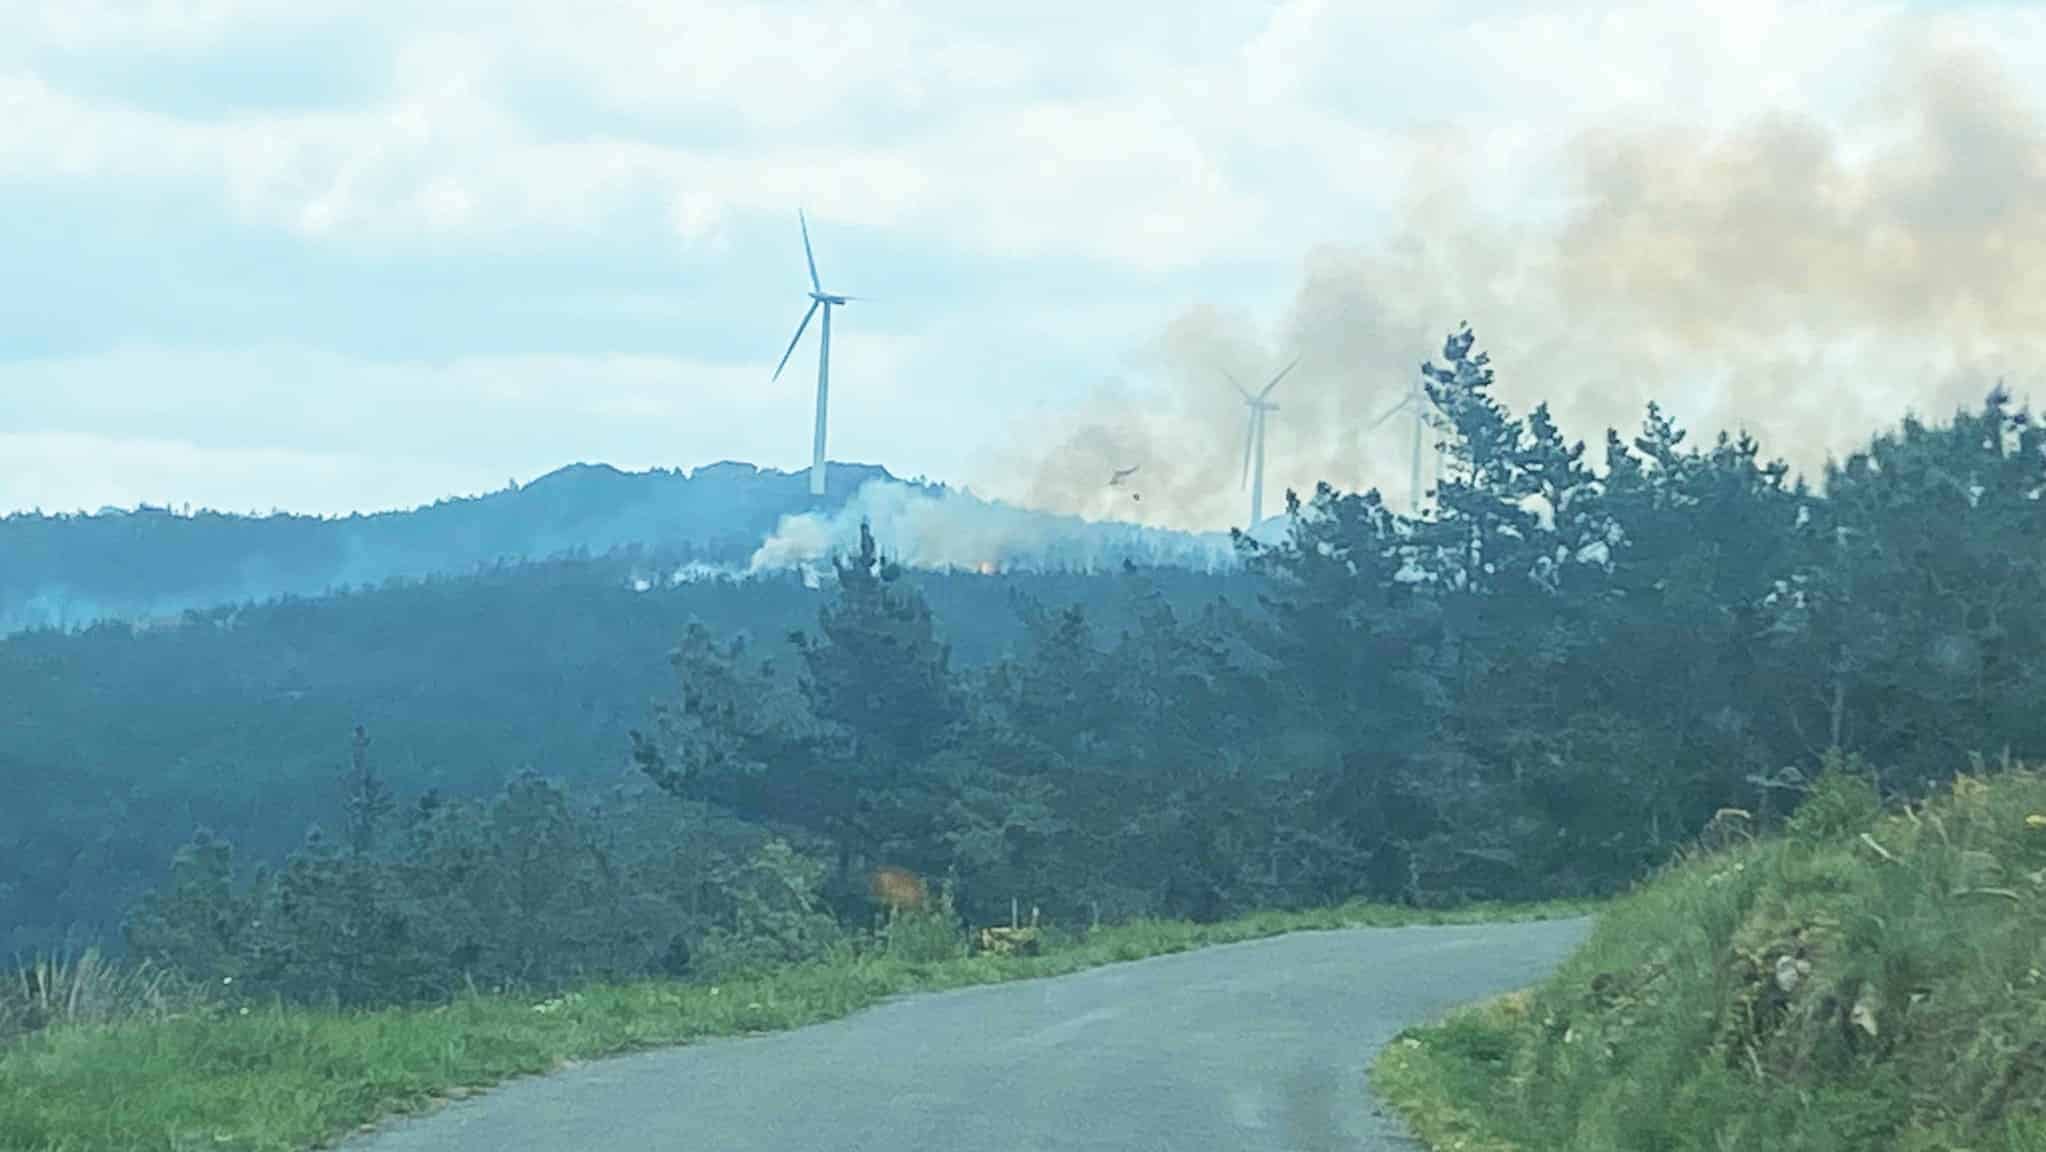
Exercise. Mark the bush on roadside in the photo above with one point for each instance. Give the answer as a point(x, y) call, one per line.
point(774, 914)
point(924, 935)
point(1843, 799)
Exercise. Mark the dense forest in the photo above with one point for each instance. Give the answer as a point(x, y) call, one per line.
point(119, 740)
point(1540, 688)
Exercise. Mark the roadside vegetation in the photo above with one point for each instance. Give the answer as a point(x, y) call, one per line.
point(150, 1072)
point(1867, 979)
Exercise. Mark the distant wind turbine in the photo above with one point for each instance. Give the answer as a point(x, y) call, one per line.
point(1254, 441)
point(1416, 399)
point(819, 298)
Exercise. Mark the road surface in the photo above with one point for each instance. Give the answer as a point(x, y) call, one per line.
point(1261, 1045)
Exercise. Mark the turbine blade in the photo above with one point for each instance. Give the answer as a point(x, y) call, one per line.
point(1279, 377)
point(807, 255)
point(794, 340)
point(1234, 383)
point(1249, 438)
point(1390, 413)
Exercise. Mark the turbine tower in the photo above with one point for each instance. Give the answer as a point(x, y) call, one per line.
point(1417, 400)
point(1254, 441)
point(819, 298)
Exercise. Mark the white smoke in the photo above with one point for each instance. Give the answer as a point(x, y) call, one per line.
point(1802, 278)
point(944, 529)
point(693, 572)
point(696, 572)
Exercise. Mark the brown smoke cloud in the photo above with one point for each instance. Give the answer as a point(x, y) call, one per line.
point(1772, 279)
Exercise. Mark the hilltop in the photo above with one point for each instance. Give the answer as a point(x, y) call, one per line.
point(151, 565)
point(67, 570)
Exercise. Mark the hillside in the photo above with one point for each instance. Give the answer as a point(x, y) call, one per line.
point(1864, 981)
point(150, 563)
point(122, 740)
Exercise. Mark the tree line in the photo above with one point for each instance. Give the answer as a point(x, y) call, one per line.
point(1538, 689)
point(70, 570)
point(116, 741)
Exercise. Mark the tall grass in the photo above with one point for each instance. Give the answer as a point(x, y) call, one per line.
point(1864, 980)
point(86, 989)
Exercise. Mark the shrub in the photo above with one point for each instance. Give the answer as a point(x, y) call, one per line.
point(775, 914)
point(925, 934)
point(1843, 799)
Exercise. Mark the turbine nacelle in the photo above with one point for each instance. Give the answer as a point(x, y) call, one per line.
point(1415, 401)
point(1260, 406)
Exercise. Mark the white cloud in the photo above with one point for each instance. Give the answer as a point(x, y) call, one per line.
point(1227, 139)
point(89, 25)
point(1039, 139)
point(76, 471)
point(103, 429)
point(1289, 45)
point(1098, 141)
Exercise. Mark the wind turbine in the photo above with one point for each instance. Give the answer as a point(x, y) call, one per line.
point(1254, 441)
point(1417, 400)
point(819, 298)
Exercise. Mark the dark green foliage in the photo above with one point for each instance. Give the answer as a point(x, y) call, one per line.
point(1538, 690)
point(369, 798)
point(335, 923)
point(532, 889)
point(200, 921)
point(119, 741)
point(1914, 614)
point(879, 683)
point(773, 915)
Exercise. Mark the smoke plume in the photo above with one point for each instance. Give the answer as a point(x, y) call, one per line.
point(948, 529)
point(1787, 278)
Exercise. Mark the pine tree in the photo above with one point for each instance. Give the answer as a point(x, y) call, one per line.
point(369, 803)
point(879, 681)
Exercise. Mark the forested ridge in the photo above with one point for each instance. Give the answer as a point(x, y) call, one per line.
point(1538, 690)
point(65, 570)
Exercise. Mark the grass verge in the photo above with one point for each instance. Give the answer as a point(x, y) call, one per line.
point(1867, 980)
point(286, 1078)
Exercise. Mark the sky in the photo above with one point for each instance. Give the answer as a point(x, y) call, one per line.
point(284, 254)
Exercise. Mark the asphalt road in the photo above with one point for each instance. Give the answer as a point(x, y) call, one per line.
point(1262, 1045)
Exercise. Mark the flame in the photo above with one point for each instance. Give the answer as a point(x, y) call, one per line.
point(899, 888)
point(987, 568)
